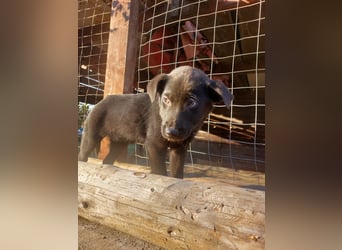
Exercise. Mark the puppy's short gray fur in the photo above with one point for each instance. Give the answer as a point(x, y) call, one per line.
point(166, 117)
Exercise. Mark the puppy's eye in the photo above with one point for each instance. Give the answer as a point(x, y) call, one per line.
point(166, 100)
point(191, 103)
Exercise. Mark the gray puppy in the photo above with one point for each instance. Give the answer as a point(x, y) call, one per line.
point(166, 117)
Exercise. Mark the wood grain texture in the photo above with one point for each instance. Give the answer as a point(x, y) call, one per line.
point(172, 213)
point(122, 47)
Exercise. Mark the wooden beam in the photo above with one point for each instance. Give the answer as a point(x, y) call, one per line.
point(172, 213)
point(122, 47)
point(122, 51)
point(223, 175)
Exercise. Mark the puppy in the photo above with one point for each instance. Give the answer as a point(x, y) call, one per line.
point(166, 117)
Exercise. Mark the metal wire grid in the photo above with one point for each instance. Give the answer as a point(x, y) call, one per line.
point(230, 150)
point(93, 33)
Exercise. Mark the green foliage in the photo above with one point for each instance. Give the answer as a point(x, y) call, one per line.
point(83, 111)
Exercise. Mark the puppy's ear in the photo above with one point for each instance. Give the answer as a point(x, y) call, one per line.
point(219, 92)
point(156, 85)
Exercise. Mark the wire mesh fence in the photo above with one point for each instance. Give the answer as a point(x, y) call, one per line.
point(226, 39)
point(93, 33)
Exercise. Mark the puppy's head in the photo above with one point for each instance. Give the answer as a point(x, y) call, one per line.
point(185, 98)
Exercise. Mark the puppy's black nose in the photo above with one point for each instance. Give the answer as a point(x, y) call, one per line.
point(173, 132)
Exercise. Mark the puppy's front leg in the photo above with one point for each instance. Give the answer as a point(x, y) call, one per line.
point(116, 150)
point(177, 158)
point(156, 158)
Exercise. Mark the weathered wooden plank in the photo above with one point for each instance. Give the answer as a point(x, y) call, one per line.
point(172, 213)
point(207, 173)
point(122, 50)
point(122, 47)
point(204, 172)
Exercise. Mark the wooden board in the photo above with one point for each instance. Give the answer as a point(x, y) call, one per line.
point(172, 213)
point(199, 172)
point(122, 47)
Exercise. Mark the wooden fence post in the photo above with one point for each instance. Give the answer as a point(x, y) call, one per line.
point(122, 47)
point(122, 53)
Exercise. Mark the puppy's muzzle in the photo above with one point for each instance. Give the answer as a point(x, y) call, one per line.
point(174, 134)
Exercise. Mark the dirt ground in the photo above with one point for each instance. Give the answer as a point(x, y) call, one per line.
point(94, 236)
